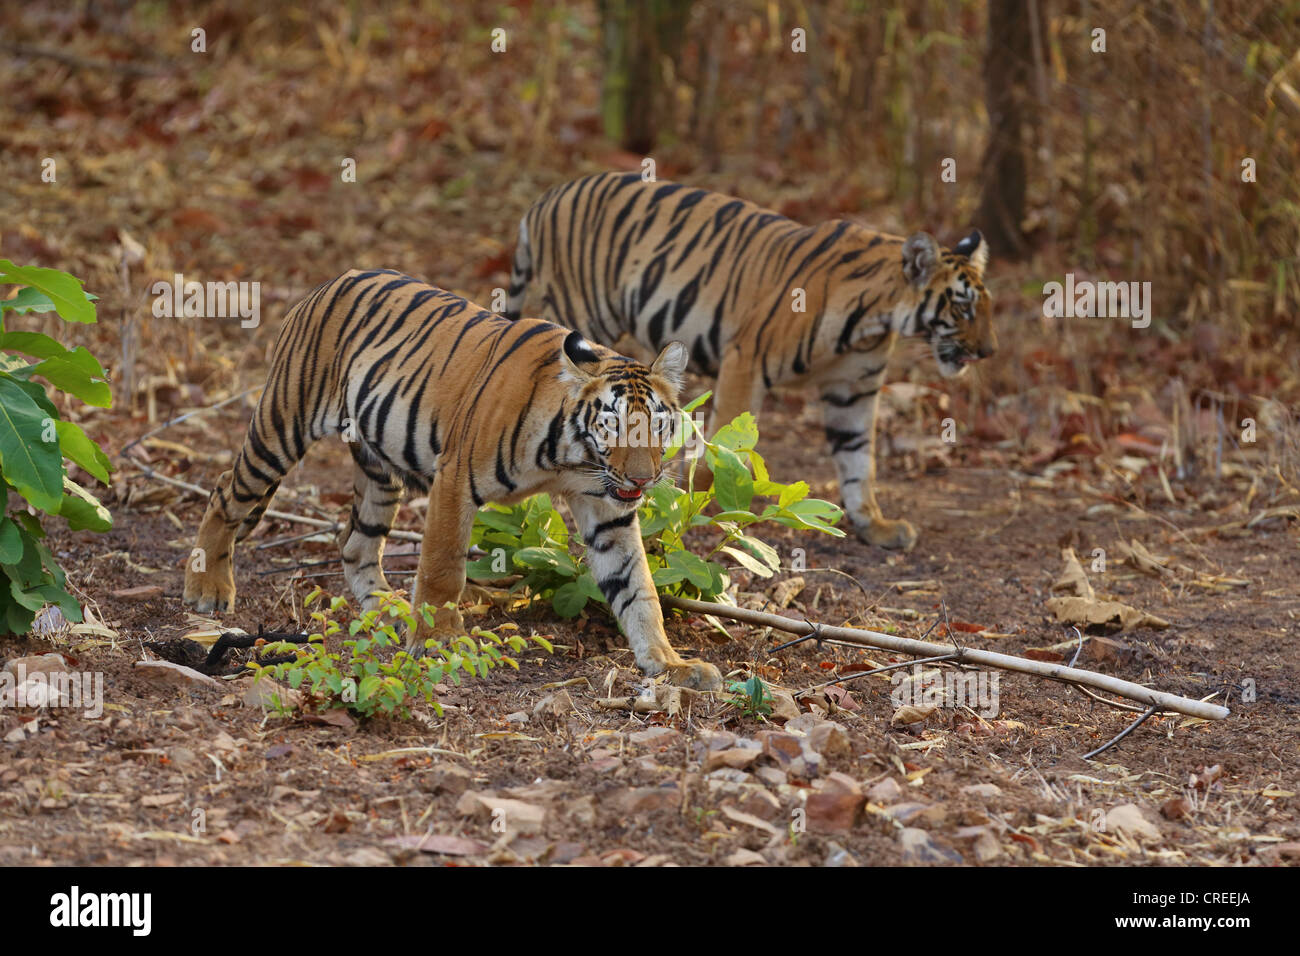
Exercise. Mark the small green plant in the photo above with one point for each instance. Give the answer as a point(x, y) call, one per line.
point(35, 440)
point(372, 673)
point(751, 698)
point(530, 538)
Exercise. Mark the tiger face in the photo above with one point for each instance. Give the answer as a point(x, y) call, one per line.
point(627, 415)
point(954, 312)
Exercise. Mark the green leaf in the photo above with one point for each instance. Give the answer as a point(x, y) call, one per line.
point(76, 445)
point(695, 569)
point(64, 291)
point(78, 373)
point(82, 509)
point(11, 542)
point(748, 562)
point(27, 300)
point(31, 465)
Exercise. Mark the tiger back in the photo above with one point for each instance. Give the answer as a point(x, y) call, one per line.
point(433, 392)
point(760, 300)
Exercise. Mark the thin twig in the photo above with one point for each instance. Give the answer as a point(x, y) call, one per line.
point(877, 670)
point(180, 418)
point(1146, 715)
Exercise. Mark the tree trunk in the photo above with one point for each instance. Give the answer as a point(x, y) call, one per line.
point(636, 37)
point(1006, 92)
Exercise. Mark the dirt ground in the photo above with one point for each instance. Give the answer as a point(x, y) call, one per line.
point(193, 776)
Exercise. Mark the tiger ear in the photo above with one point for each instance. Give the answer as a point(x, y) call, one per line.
point(920, 258)
point(576, 359)
point(976, 250)
point(671, 365)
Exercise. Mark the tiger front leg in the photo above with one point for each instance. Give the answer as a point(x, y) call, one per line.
point(849, 413)
point(448, 526)
point(210, 570)
point(616, 556)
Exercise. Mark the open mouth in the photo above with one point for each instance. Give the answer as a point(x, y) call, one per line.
point(627, 495)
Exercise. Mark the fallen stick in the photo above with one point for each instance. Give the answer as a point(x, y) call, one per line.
point(966, 655)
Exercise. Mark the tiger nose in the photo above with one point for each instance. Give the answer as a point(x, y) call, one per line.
point(985, 350)
point(640, 482)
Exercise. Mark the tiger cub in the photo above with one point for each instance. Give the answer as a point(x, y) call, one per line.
point(435, 393)
point(761, 300)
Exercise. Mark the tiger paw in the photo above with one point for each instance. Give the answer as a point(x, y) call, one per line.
point(447, 622)
point(884, 533)
point(694, 674)
point(210, 590)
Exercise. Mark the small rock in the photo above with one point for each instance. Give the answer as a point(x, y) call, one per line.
point(982, 790)
point(919, 847)
point(744, 857)
point(928, 814)
point(737, 758)
point(781, 747)
point(760, 803)
point(885, 792)
point(830, 740)
point(518, 717)
point(983, 843)
point(517, 816)
point(24, 730)
point(566, 852)
point(1128, 819)
point(833, 810)
point(1179, 808)
point(658, 736)
point(841, 781)
point(443, 844)
point(836, 855)
point(729, 774)
point(709, 740)
point(770, 776)
point(177, 675)
point(20, 667)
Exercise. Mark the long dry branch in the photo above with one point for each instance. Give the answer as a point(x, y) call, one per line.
point(966, 655)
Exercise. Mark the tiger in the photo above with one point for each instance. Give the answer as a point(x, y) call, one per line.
point(762, 301)
point(436, 394)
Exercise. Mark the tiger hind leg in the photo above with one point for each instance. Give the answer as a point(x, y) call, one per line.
point(376, 496)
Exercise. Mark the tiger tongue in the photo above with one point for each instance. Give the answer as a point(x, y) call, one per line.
point(632, 495)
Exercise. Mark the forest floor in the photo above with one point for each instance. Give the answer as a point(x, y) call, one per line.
point(189, 775)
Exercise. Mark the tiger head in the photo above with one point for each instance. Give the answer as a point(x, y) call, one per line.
point(627, 414)
point(952, 308)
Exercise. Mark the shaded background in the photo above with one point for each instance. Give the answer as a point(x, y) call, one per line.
point(1123, 165)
